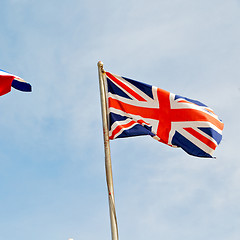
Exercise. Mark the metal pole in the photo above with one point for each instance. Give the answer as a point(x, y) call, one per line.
point(108, 164)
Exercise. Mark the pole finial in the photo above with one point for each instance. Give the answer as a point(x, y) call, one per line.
point(100, 66)
point(100, 63)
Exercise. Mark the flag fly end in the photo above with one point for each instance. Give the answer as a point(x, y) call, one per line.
point(8, 80)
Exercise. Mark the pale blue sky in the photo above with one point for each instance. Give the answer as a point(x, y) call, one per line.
point(52, 174)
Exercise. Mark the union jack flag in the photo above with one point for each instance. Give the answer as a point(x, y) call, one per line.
point(8, 80)
point(136, 108)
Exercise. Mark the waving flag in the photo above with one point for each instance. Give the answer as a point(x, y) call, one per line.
point(8, 80)
point(136, 108)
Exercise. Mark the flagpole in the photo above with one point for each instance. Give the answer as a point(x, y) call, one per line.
point(108, 164)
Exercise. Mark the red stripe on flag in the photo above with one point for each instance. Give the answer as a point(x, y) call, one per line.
point(144, 112)
point(119, 128)
point(199, 136)
point(181, 115)
point(125, 87)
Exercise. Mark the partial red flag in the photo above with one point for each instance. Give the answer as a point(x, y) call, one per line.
point(8, 80)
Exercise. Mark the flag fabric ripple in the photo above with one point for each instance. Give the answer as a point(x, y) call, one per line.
point(136, 108)
point(8, 80)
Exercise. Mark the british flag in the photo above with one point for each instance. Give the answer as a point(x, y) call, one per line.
point(8, 80)
point(136, 108)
